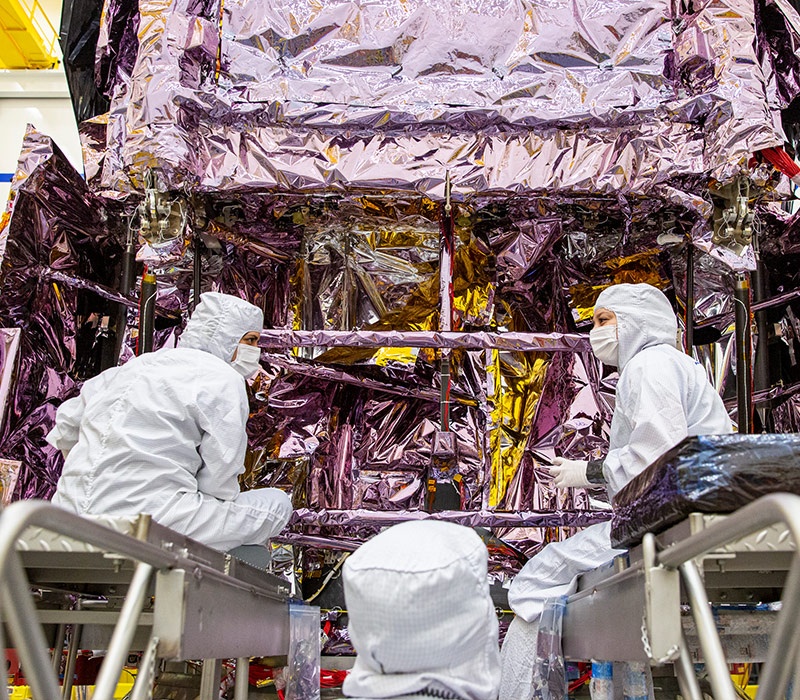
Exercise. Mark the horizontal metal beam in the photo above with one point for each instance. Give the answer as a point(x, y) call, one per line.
point(519, 342)
point(87, 617)
point(480, 518)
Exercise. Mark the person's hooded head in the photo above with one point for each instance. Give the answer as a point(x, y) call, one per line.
point(642, 317)
point(421, 617)
point(219, 325)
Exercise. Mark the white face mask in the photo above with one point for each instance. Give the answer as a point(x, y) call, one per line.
point(605, 344)
point(247, 360)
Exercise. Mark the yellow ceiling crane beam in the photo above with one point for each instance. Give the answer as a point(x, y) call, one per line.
point(27, 38)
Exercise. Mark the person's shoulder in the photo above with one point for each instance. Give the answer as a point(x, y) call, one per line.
point(185, 364)
point(656, 362)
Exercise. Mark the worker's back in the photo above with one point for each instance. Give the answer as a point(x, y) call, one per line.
point(165, 435)
point(143, 433)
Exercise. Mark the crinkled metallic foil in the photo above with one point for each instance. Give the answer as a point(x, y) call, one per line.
point(54, 244)
point(310, 143)
point(342, 96)
point(508, 341)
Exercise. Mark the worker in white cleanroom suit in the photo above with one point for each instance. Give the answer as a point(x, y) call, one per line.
point(422, 621)
point(663, 396)
point(164, 434)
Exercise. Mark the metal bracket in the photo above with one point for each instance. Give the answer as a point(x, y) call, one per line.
point(661, 626)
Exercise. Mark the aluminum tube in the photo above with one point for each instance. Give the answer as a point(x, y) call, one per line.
point(690, 299)
point(143, 686)
point(72, 658)
point(25, 631)
point(125, 287)
point(210, 679)
point(3, 664)
point(744, 353)
point(58, 647)
point(242, 681)
point(21, 515)
point(125, 629)
point(761, 368)
point(684, 670)
point(784, 643)
point(713, 655)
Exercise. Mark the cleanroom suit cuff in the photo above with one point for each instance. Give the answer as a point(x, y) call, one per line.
point(594, 472)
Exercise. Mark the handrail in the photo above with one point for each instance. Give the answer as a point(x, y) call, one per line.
point(765, 512)
point(19, 516)
point(37, 513)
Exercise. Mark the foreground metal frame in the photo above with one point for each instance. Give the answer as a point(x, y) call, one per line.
point(647, 587)
point(182, 581)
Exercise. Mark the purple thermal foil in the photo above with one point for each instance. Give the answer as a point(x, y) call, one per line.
point(54, 224)
point(707, 474)
point(520, 342)
point(786, 416)
point(360, 517)
point(351, 93)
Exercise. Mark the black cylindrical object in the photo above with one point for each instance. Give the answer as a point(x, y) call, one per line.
point(125, 287)
point(744, 353)
point(761, 368)
point(147, 314)
point(689, 299)
point(197, 273)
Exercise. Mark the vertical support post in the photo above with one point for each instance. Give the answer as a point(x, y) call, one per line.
point(784, 643)
point(242, 679)
point(348, 321)
point(210, 679)
point(121, 638)
point(147, 314)
point(443, 472)
point(125, 287)
point(72, 657)
point(143, 686)
point(58, 648)
point(744, 353)
point(761, 369)
point(713, 655)
point(24, 629)
point(197, 273)
point(684, 670)
point(689, 337)
point(446, 252)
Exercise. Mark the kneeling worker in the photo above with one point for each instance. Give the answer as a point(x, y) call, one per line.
point(165, 434)
point(662, 396)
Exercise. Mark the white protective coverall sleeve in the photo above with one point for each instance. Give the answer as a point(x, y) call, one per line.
point(65, 433)
point(650, 404)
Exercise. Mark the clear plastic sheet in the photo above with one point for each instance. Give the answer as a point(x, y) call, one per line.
point(709, 474)
point(549, 672)
point(302, 682)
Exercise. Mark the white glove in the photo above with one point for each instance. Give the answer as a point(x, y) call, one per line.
point(569, 473)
